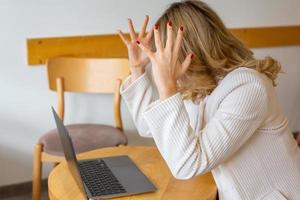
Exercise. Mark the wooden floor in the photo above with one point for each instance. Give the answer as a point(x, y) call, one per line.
point(28, 196)
point(22, 191)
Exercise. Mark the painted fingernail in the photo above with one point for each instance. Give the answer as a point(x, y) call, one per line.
point(156, 26)
point(192, 56)
point(170, 23)
point(138, 42)
point(181, 28)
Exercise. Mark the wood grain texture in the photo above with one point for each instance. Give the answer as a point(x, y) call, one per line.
point(268, 36)
point(60, 97)
point(63, 187)
point(37, 172)
point(93, 46)
point(110, 46)
point(88, 75)
point(117, 105)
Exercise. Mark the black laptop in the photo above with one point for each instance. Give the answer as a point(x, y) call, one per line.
point(106, 177)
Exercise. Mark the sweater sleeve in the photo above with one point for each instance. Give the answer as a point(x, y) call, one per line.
point(189, 153)
point(138, 94)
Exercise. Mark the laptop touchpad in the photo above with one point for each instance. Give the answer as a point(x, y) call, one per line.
point(132, 179)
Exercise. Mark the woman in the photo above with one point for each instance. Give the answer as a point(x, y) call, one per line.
point(210, 105)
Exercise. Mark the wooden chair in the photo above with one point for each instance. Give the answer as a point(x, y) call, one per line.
point(81, 75)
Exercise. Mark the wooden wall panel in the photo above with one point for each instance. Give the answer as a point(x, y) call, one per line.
point(268, 36)
point(106, 46)
point(103, 46)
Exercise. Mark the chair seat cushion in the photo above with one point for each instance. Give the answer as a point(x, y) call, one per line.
point(85, 137)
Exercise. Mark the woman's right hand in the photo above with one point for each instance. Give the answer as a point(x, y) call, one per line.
point(137, 58)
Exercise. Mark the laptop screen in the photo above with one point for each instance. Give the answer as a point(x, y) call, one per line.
point(69, 152)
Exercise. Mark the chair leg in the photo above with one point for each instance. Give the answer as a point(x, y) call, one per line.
point(37, 172)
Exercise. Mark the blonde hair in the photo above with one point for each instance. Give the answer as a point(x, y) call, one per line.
point(217, 52)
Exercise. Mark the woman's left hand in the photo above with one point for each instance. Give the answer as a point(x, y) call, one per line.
point(165, 65)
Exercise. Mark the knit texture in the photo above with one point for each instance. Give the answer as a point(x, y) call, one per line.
point(241, 135)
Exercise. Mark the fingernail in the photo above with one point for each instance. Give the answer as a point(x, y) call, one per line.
point(170, 23)
point(138, 42)
point(181, 28)
point(192, 56)
point(156, 26)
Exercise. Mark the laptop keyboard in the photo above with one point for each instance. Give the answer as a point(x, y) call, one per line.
point(99, 179)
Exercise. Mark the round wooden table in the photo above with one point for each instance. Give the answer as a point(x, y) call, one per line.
point(62, 186)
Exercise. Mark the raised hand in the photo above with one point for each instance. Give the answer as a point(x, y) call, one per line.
point(137, 58)
point(165, 64)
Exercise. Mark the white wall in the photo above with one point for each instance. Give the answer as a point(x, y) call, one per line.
point(25, 99)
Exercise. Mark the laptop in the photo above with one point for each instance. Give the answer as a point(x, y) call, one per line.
point(103, 178)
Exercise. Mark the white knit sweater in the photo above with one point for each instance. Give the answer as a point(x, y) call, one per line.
point(238, 133)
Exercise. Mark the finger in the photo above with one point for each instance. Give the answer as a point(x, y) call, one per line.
point(144, 26)
point(178, 41)
point(186, 63)
point(158, 43)
point(123, 38)
point(145, 49)
point(131, 30)
point(149, 36)
point(169, 43)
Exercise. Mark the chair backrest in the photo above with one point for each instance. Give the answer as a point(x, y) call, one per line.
point(87, 75)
